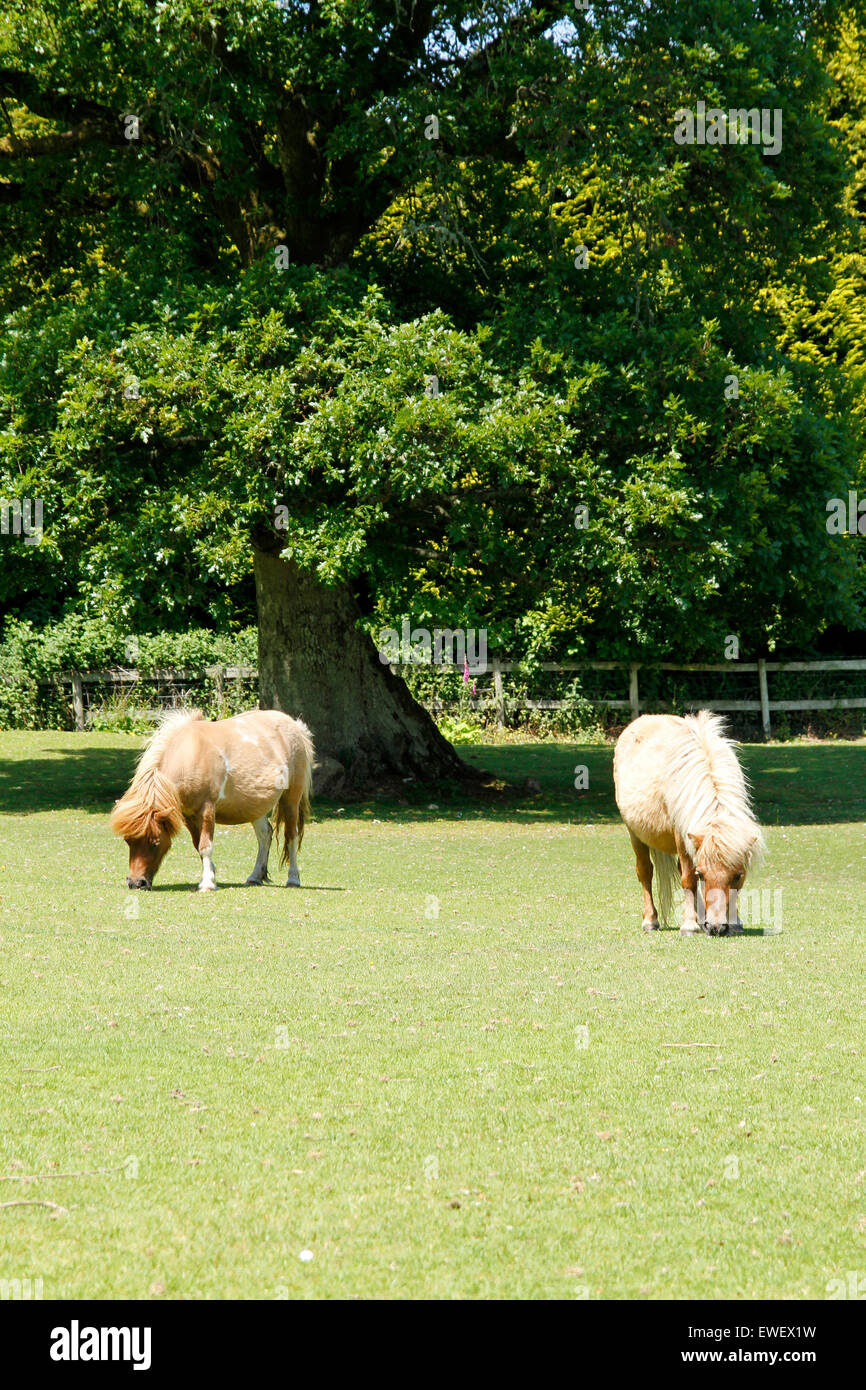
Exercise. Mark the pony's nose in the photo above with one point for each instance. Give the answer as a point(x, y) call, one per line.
point(137, 883)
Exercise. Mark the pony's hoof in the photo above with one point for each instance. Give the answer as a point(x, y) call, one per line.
point(293, 882)
point(650, 926)
point(207, 888)
point(690, 931)
point(254, 882)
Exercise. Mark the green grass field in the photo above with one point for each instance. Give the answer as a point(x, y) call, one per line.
point(445, 1066)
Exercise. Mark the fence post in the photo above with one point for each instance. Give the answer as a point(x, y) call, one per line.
point(765, 696)
point(78, 701)
point(633, 696)
point(499, 698)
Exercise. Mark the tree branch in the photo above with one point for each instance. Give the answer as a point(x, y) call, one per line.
point(530, 23)
point(36, 146)
point(405, 42)
point(54, 106)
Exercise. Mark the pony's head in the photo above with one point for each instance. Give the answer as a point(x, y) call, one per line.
point(148, 817)
point(724, 853)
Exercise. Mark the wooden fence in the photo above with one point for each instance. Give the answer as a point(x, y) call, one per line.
point(761, 669)
point(120, 676)
point(499, 700)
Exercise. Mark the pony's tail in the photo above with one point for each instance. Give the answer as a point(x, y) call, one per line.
point(302, 772)
point(308, 754)
point(666, 880)
point(281, 828)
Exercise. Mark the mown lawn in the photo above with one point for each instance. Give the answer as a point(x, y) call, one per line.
point(444, 1066)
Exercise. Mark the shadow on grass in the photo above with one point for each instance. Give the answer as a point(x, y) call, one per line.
point(80, 778)
point(794, 784)
point(673, 929)
point(234, 887)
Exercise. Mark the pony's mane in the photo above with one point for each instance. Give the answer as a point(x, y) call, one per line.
point(168, 725)
point(708, 794)
point(151, 805)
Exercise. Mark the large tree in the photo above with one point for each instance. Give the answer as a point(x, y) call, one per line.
point(199, 372)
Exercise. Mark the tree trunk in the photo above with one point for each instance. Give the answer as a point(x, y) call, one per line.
point(315, 664)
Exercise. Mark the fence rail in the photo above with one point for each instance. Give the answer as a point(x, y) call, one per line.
point(762, 705)
point(127, 675)
point(499, 700)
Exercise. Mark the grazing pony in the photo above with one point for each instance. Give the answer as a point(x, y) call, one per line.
point(196, 772)
point(682, 794)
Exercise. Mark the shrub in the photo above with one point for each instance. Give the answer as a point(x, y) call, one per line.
point(29, 656)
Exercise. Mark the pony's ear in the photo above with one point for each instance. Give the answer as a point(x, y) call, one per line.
point(159, 826)
point(162, 823)
point(697, 838)
point(755, 846)
point(169, 821)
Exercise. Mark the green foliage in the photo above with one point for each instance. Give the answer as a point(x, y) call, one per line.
point(19, 688)
point(164, 388)
point(459, 731)
point(77, 643)
point(192, 650)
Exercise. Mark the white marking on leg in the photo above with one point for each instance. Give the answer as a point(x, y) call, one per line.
point(264, 835)
point(208, 877)
point(294, 880)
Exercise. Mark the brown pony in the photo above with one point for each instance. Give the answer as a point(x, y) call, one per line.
point(199, 773)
